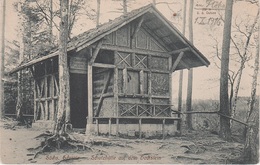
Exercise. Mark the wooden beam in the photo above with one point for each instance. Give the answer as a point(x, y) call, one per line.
point(100, 65)
point(32, 62)
point(95, 53)
point(180, 50)
point(138, 26)
point(106, 84)
point(177, 61)
point(138, 51)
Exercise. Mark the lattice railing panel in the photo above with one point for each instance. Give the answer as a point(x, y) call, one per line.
point(151, 110)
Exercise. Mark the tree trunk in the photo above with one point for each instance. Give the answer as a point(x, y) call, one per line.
point(63, 114)
point(242, 64)
point(51, 20)
point(98, 12)
point(154, 2)
point(2, 110)
point(190, 72)
point(19, 101)
point(251, 152)
point(125, 6)
point(181, 71)
point(225, 131)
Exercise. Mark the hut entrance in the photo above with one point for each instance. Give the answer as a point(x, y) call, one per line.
point(78, 99)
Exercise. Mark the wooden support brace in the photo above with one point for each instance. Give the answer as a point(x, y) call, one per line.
point(177, 61)
point(139, 24)
point(95, 53)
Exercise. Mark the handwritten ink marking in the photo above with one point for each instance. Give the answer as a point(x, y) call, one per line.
point(52, 157)
point(69, 157)
point(213, 4)
point(208, 21)
point(148, 157)
point(102, 157)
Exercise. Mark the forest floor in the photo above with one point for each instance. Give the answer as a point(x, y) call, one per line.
point(193, 147)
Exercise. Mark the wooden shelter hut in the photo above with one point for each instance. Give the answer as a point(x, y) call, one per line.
point(120, 76)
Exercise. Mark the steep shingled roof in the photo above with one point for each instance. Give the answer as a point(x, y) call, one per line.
point(91, 36)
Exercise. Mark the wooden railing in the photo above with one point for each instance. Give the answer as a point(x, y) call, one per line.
point(144, 109)
point(139, 119)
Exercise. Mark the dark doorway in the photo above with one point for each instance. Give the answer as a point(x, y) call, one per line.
point(78, 99)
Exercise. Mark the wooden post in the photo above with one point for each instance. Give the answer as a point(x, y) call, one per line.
point(89, 129)
point(117, 127)
point(45, 94)
point(149, 79)
point(170, 80)
point(163, 128)
point(97, 126)
point(116, 113)
point(52, 90)
point(140, 128)
point(34, 97)
point(141, 82)
point(125, 81)
point(109, 127)
point(150, 86)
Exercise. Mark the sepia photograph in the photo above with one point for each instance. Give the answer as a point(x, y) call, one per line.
point(129, 82)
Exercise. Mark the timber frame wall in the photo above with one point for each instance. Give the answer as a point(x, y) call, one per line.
point(46, 89)
point(140, 73)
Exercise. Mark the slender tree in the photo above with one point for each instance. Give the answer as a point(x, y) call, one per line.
point(125, 6)
point(244, 57)
point(190, 72)
point(51, 24)
point(251, 148)
point(2, 110)
point(154, 2)
point(225, 131)
point(181, 72)
point(98, 12)
point(63, 114)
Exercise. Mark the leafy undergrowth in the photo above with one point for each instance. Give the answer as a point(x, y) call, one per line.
point(21, 145)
